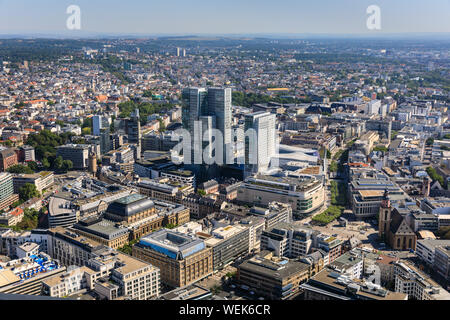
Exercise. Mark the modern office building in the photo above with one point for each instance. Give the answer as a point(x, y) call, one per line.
point(442, 262)
point(41, 180)
point(26, 153)
point(305, 194)
point(366, 190)
point(228, 243)
point(272, 277)
point(105, 140)
point(260, 141)
point(98, 123)
point(288, 240)
point(61, 212)
point(182, 259)
point(133, 128)
point(219, 104)
point(77, 153)
point(273, 214)
point(69, 248)
point(332, 285)
point(426, 248)
point(206, 109)
point(416, 284)
point(7, 195)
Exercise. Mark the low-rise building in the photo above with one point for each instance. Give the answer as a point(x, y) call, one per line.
point(305, 194)
point(272, 277)
point(41, 180)
point(103, 231)
point(331, 285)
point(26, 275)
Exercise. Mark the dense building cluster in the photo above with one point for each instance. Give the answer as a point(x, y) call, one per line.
point(234, 169)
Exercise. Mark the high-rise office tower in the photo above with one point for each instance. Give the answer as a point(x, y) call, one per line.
point(260, 140)
point(206, 109)
point(211, 107)
point(219, 105)
point(195, 105)
point(133, 128)
point(98, 123)
point(6, 190)
point(105, 141)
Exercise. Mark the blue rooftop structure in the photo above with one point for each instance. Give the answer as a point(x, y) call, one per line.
point(173, 244)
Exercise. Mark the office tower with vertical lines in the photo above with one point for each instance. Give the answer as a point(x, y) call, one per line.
point(259, 147)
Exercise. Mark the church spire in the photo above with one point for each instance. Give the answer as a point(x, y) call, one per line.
point(386, 202)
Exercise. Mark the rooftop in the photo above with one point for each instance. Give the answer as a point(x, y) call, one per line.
point(173, 244)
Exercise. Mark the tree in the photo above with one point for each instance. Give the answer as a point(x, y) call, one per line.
point(429, 141)
point(86, 131)
point(30, 219)
point(32, 165)
point(435, 176)
point(380, 148)
point(67, 165)
point(147, 94)
point(45, 163)
point(28, 191)
point(58, 163)
point(333, 166)
point(20, 168)
point(162, 126)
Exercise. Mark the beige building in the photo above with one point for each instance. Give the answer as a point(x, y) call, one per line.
point(182, 259)
point(41, 180)
point(112, 275)
point(305, 194)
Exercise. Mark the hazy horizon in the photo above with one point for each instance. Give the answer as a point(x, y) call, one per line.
point(233, 17)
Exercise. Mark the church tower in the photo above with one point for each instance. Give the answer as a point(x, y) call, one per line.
point(92, 163)
point(384, 217)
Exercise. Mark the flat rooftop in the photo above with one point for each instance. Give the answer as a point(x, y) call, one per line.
point(324, 280)
point(173, 244)
point(274, 268)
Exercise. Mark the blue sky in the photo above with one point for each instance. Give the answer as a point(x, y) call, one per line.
point(224, 17)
